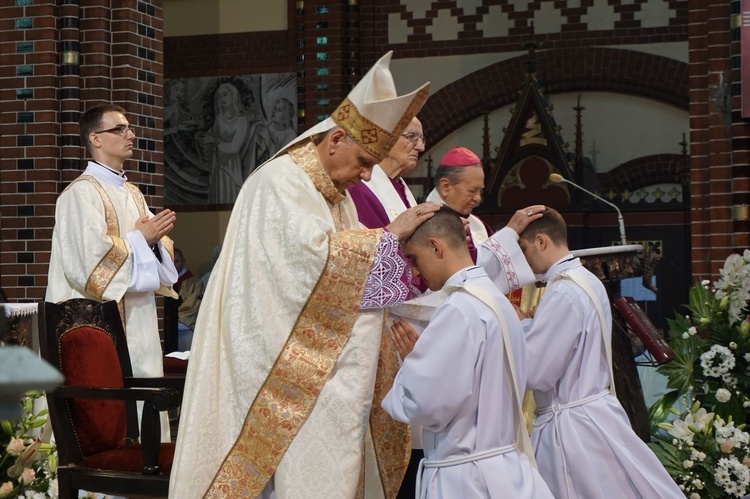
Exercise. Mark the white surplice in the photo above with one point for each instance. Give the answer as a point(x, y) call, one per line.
point(82, 249)
point(277, 245)
point(585, 451)
point(455, 384)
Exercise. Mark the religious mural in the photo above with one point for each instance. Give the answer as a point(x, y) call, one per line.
point(217, 130)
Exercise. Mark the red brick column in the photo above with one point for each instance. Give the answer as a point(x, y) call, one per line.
point(711, 135)
point(740, 143)
point(57, 59)
point(30, 144)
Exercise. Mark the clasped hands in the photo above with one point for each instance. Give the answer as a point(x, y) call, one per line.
point(404, 337)
point(156, 227)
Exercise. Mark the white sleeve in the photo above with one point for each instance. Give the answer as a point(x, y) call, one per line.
point(146, 273)
point(168, 274)
point(437, 377)
point(503, 260)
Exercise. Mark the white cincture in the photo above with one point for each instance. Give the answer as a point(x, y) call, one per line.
point(455, 461)
point(558, 408)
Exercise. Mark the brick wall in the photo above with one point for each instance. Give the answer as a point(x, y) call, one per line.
point(645, 171)
point(719, 137)
point(229, 54)
point(740, 144)
point(57, 59)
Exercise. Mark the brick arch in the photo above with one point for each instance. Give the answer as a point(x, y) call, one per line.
point(645, 171)
point(560, 70)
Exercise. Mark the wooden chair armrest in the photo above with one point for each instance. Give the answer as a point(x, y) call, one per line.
point(175, 382)
point(162, 399)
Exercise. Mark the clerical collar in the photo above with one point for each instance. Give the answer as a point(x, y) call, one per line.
point(104, 174)
point(553, 270)
point(566, 259)
point(111, 170)
point(463, 275)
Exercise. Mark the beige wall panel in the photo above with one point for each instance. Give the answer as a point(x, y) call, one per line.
point(196, 234)
point(207, 17)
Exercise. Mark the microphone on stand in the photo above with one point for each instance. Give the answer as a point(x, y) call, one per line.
point(557, 178)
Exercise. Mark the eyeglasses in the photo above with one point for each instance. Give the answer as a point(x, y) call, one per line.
point(415, 136)
point(121, 130)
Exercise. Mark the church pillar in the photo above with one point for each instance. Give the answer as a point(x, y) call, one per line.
point(740, 135)
point(719, 137)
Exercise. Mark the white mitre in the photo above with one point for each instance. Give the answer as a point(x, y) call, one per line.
point(373, 115)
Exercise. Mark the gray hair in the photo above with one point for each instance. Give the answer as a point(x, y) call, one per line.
point(454, 174)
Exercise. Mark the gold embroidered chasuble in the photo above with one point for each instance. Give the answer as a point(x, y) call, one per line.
point(283, 367)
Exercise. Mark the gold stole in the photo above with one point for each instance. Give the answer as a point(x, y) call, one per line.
point(113, 260)
point(304, 364)
point(391, 439)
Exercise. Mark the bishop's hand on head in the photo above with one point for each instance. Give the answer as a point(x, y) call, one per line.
point(407, 222)
point(523, 217)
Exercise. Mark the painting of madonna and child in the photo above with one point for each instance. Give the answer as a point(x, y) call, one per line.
point(217, 130)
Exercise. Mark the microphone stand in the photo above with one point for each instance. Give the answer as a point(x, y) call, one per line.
point(620, 220)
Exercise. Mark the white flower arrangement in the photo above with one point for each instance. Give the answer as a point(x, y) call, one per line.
point(707, 450)
point(734, 285)
point(708, 456)
point(717, 368)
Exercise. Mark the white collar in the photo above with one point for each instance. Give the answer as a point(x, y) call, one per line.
point(106, 174)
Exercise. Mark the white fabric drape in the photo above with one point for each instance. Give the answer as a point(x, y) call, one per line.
point(380, 185)
point(502, 258)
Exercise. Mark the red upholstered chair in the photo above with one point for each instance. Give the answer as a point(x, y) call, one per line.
point(93, 414)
